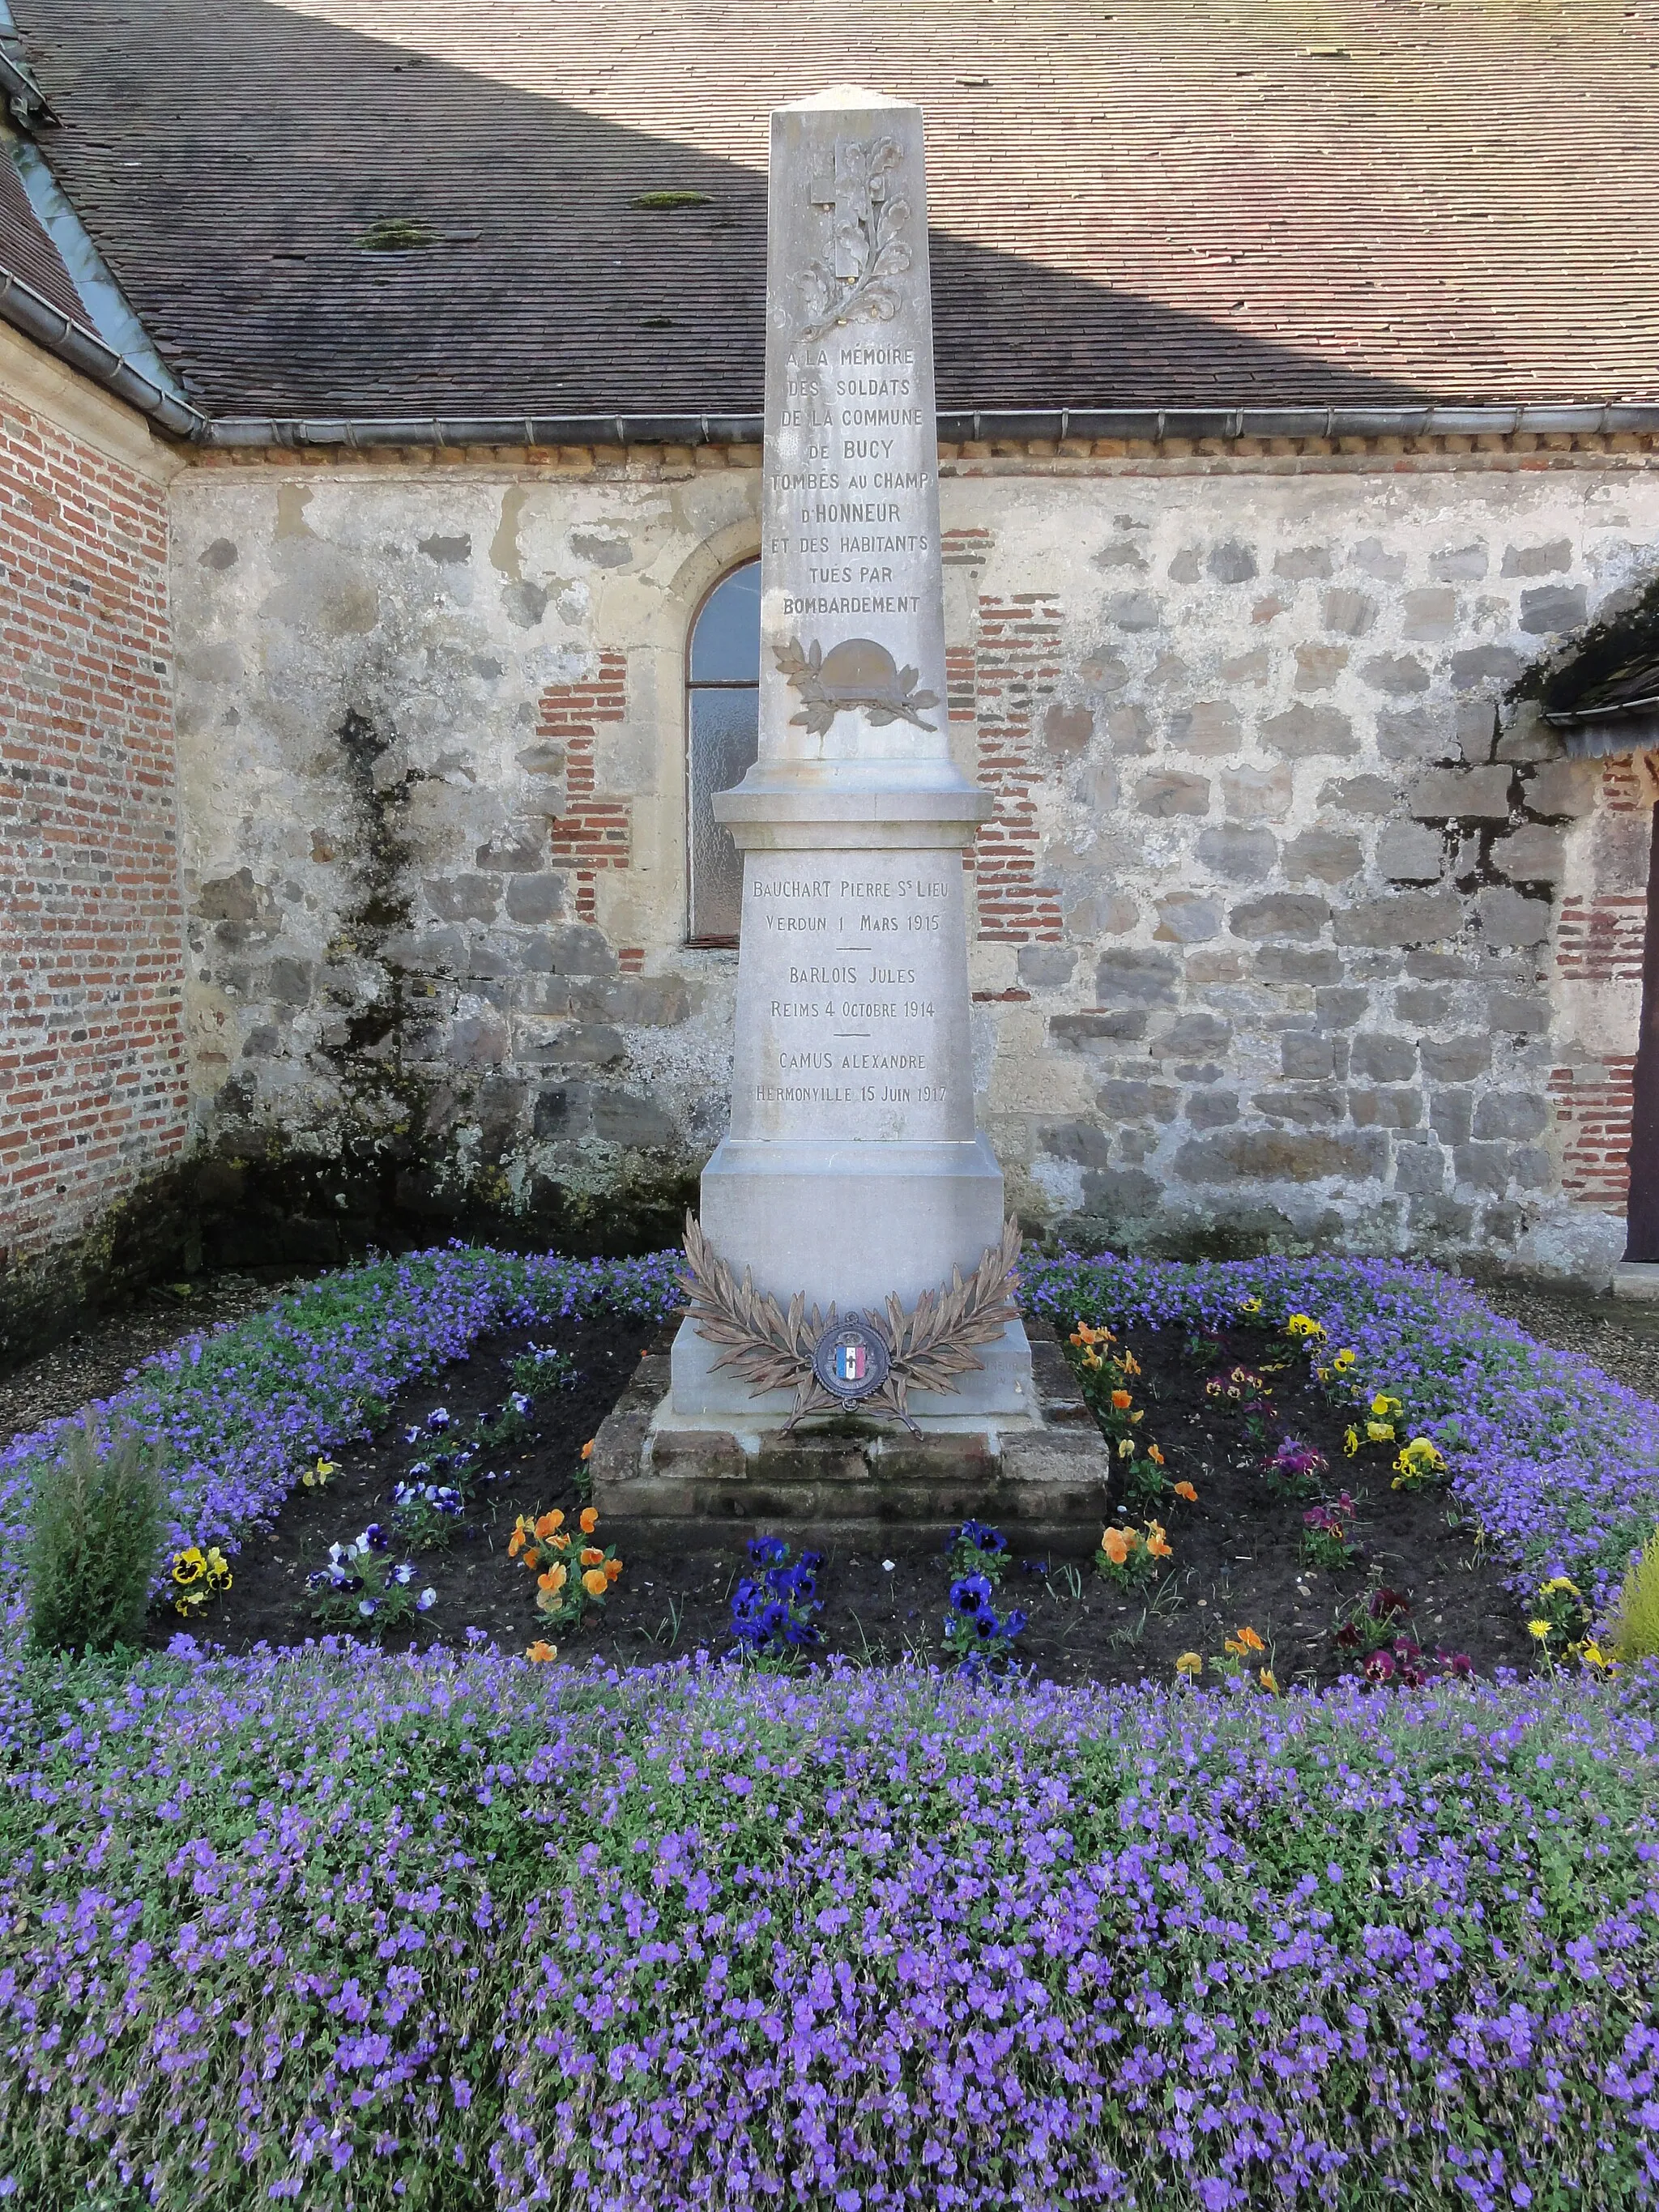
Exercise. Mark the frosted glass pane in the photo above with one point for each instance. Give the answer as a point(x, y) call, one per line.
point(725, 643)
point(725, 738)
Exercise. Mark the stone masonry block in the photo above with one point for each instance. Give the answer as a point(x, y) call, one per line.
point(1460, 564)
point(1082, 1142)
point(1433, 1217)
point(1360, 794)
point(1463, 794)
point(1421, 1005)
point(1126, 1100)
point(1507, 918)
point(1408, 853)
point(1239, 855)
point(1510, 1114)
point(1553, 608)
point(1339, 1006)
point(1375, 559)
point(1046, 966)
point(1457, 1060)
point(1481, 666)
point(1318, 666)
point(1211, 726)
point(1486, 1167)
point(1172, 792)
point(1419, 1168)
point(1196, 1033)
point(1562, 788)
point(1282, 1156)
point(1429, 615)
point(1185, 918)
point(1385, 1109)
point(1533, 853)
point(1331, 857)
point(1249, 794)
point(1384, 1059)
point(1122, 1194)
point(1309, 1105)
point(536, 897)
point(1297, 964)
point(1302, 731)
point(1135, 978)
point(1304, 1057)
point(1408, 734)
point(1451, 1114)
point(1349, 614)
point(634, 1123)
point(1520, 1013)
point(1547, 560)
point(1395, 675)
point(1232, 562)
point(1295, 914)
point(1211, 1110)
point(1406, 918)
point(562, 1111)
point(463, 898)
point(1079, 1031)
point(1297, 564)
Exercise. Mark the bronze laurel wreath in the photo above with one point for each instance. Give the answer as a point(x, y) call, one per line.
point(928, 1348)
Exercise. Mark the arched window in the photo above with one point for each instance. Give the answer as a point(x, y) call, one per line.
point(723, 717)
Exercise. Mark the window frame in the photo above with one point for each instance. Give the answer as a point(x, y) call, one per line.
point(690, 686)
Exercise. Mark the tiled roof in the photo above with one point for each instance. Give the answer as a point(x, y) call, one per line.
point(1136, 202)
point(27, 251)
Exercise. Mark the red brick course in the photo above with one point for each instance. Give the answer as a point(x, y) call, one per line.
point(592, 832)
point(1601, 941)
point(93, 1091)
point(1593, 1113)
point(1015, 667)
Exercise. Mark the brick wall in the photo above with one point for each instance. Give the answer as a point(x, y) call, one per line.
point(92, 1054)
point(1016, 666)
point(1601, 939)
point(1593, 1113)
point(592, 833)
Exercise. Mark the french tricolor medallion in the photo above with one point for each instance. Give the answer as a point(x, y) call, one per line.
point(850, 1360)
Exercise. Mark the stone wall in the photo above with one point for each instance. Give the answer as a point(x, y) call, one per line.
point(91, 1077)
point(1292, 924)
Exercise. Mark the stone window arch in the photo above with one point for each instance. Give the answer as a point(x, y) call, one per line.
point(722, 737)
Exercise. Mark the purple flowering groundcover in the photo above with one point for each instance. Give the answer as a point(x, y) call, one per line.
point(236, 1416)
point(357, 1931)
point(1558, 1462)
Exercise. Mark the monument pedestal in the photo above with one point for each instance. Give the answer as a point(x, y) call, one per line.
point(1040, 1473)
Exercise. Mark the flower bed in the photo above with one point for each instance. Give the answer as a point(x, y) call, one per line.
point(237, 1416)
point(359, 1931)
point(447, 1928)
point(1559, 1464)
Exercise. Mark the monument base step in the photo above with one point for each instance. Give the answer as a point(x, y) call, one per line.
point(1045, 1473)
point(1636, 1279)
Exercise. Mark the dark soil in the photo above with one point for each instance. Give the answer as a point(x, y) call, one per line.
point(477, 1585)
point(1237, 1552)
point(94, 1360)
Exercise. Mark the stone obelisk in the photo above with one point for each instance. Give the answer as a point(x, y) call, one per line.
point(853, 1168)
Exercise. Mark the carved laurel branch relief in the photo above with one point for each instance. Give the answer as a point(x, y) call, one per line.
point(869, 241)
point(858, 674)
point(928, 1348)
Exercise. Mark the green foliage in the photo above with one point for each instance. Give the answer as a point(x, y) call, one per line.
point(658, 202)
point(94, 1540)
point(539, 1368)
point(1635, 1631)
point(396, 234)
